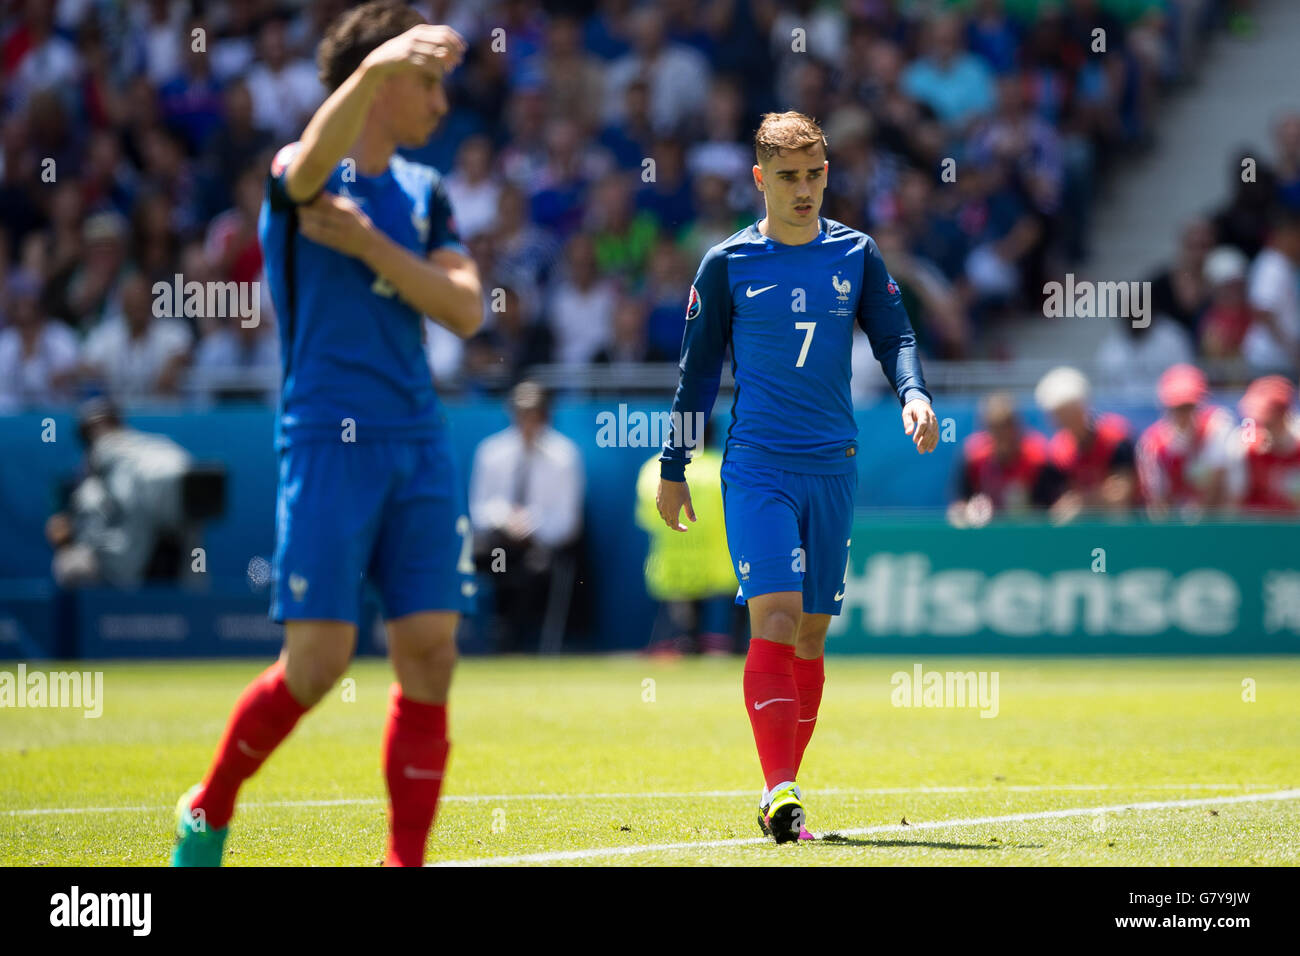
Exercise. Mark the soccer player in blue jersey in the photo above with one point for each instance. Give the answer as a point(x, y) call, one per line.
point(359, 245)
point(784, 295)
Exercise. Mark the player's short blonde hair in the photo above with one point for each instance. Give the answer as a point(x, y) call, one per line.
point(789, 130)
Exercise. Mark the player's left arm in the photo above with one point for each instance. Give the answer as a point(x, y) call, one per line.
point(444, 284)
point(882, 316)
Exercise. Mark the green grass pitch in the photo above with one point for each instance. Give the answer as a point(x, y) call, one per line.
point(636, 761)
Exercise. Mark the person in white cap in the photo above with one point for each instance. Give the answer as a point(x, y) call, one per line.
point(1224, 324)
point(1094, 453)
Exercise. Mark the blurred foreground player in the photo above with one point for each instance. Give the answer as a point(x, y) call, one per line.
point(784, 295)
point(359, 245)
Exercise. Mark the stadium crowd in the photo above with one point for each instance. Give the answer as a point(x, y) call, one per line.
point(594, 152)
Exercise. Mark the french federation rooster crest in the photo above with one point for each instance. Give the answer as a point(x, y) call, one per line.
point(842, 286)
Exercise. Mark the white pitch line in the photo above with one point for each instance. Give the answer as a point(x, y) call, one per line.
point(680, 795)
point(556, 856)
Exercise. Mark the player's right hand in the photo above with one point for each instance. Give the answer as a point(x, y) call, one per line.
point(672, 497)
point(427, 48)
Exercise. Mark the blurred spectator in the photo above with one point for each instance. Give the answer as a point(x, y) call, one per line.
point(35, 58)
point(1004, 260)
point(572, 78)
point(235, 146)
point(1131, 356)
point(38, 357)
point(156, 37)
point(120, 514)
point(231, 243)
point(1004, 469)
point(191, 99)
point(1286, 139)
point(668, 275)
point(993, 35)
point(582, 305)
point(621, 236)
point(628, 345)
point(716, 219)
point(1182, 458)
point(237, 361)
point(1273, 340)
point(1244, 221)
point(285, 90)
point(678, 76)
point(1264, 468)
point(931, 300)
point(525, 500)
point(525, 254)
point(472, 188)
point(630, 139)
point(560, 187)
point(1225, 322)
point(1093, 453)
point(501, 354)
point(1180, 291)
point(669, 196)
point(168, 173)
point(134, 354)
point(721, 147)
point(107, 181)
point(954, 83)
point(86, 290)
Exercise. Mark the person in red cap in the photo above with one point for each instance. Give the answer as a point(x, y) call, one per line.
point(1265, 472)
point(1182, 459)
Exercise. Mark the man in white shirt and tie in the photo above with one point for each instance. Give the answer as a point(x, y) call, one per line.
point(525, 501)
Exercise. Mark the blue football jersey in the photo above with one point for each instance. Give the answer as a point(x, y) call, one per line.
point(788, 313)
point(350, 347)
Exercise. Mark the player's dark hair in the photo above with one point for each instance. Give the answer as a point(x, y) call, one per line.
point(351, 37)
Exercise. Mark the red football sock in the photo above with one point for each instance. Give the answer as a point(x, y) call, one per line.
point(772, 702)
point(809, 676)
point(262, 718)
point(415, 756)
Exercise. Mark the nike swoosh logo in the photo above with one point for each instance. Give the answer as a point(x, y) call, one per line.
point(750, 291)
point(415, 773)
point(248, 751)
point(774, 700)
point(839, 595)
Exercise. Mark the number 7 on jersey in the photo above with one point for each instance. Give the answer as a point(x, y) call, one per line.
point(808, 328)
